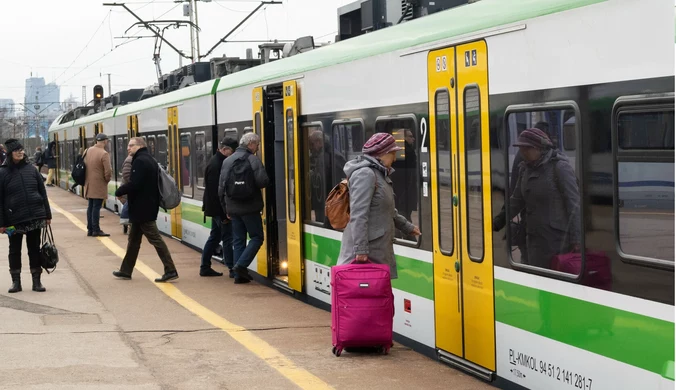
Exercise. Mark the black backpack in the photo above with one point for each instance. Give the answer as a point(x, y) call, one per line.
point(241, 183)
point(79, 173)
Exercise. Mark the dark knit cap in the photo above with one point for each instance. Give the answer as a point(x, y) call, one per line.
point(229, 142)
point(380, 144)
point(13, 144)
point(534, 138)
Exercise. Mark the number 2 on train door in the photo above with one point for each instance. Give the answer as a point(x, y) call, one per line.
point(463, 259)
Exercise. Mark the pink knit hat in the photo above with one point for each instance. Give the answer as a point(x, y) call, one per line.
point(380, 144)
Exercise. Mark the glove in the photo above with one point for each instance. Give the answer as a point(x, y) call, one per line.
point(499, 222)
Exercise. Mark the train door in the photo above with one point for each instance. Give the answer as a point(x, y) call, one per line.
point(463, 262)
point(258, 128)
point(174, 167)
point(294, 234)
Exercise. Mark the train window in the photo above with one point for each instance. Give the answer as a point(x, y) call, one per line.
point(317, 170)
point(644, 184)
point(542, 209)
point(646, 130)
point(201, 159)
point(121, 155)
point(406, 174)
point(162, 150)
point(187, 170)
point(152, 146)
point(232, 133)
point(348, 141)
point(445, 192)
point(291, 169)
point(473, 186)
point(247, 129)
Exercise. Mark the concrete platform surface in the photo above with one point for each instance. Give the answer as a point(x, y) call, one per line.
point(93, 331)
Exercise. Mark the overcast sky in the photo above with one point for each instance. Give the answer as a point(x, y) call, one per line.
point(72, 42)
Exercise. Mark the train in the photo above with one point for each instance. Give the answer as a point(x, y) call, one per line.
point(455, 89)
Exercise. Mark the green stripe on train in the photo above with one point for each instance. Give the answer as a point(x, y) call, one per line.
point(415, 276)
point(194, 214)
point(630, 338)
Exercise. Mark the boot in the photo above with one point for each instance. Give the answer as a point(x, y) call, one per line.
point(37, 286)
point(16, 281)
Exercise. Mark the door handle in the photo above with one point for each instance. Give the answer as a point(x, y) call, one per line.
point(455, 200)
point(457, 266)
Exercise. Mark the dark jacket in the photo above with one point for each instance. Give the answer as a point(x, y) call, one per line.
point(22, 195)
point(211, 204)
point(50, 155)
point(238, 207)
point(548, 193)
point(37, 158)
point(142, 190)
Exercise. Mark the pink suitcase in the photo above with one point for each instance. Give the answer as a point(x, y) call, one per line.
point(597, 268)
point(362, 306)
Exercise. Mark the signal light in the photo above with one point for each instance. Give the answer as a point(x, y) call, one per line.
point(98, 93)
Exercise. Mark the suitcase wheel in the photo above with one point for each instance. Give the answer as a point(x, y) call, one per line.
point(336, 351)
point(384, 350)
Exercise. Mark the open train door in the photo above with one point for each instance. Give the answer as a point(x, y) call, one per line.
point(292, 167)
point(258, 128)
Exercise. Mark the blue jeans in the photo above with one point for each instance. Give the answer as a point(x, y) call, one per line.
point(94, 215)
point(125, 211)
point(220, 232)
point(241, 225)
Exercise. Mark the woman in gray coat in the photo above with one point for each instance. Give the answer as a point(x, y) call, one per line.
point(370, 232)
point(547, 191)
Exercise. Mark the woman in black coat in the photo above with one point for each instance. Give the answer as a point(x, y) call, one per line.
point(23, 206)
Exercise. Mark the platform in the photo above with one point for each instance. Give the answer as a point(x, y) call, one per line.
point(91, 330)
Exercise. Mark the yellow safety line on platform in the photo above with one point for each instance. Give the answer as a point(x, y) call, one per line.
point(253, 343)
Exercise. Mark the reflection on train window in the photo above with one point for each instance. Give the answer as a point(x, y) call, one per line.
point(186, 165)
point(646, 130)
point(348, 140)
point(646, 209)
point(318, 171)
point(120, 155)
point(444, 172)
point(201, 158)
point(473, 185)
point(405, 175)
point(232, 133)
point(291, 179)
point(162, 150)
point(542, 213)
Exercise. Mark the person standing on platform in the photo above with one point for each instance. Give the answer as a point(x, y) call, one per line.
point(98, 175)
point(25, 207)
point(221, 228)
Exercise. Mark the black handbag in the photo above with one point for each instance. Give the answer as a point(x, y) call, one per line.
point(517, 233)
point(48, 251)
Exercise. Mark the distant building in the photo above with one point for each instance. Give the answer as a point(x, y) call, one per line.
point(42, 105)
point(7, 108)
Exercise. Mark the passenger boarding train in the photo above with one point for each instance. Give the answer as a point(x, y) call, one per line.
point(456, 88)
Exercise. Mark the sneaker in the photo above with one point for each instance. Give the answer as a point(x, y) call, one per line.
point(210, 272)
point(121, 275)
point(244, 272)
point(241, 280)
point(100, 233)
point(167, 277)
point(231, 273)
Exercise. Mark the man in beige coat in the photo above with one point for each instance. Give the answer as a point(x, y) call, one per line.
point(99, 172)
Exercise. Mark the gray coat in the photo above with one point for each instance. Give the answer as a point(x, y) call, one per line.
point(549, 194)
point(373, 216)
point(238, 207)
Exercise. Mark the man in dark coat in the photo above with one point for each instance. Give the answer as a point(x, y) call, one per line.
point(221, 228)
point(245, 214)
point(143, 195)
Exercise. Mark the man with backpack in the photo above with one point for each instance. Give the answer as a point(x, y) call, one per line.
point(242, 178)
point(143, 196)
